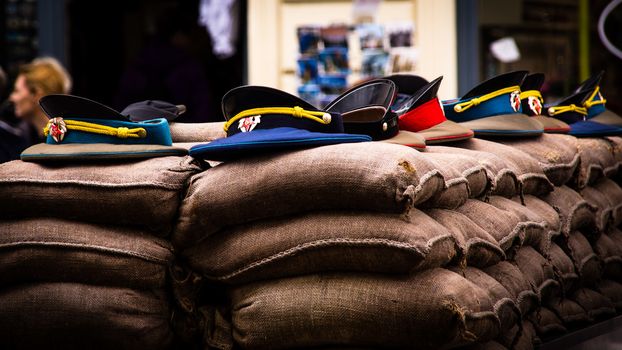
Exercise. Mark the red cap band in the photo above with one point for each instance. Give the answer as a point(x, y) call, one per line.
point(423, 117)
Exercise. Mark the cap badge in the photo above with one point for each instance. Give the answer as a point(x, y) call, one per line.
point(248, 124)
point(57, 128)
point(534, 104)
point(515, 100)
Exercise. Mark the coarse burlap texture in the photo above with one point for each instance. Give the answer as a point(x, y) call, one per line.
point(491, 345)
point(547, 324)
point(324, 241)
point(616, 145)
point(140, 193)
point(538, 272)
point(557, 154)
point(54, 250)
point(479, 248)
point(456, 190)
point(527, 337)
point(435, 308)
point(216, 327)
point(564, 268)
point(534, 227)
point(610, 254)
point(197, 132)
point(468, 166)
point(503, 179)
point(512, 279)
point(613, 193)
point(505, 227)
point(597, 161)
point(597, 306)
point(575, 212)
point(613, 291)
point(612, 246)
point(80, 316)
point(371, 176)
point(544, 211)
point(585, 261)
point(572, 314)
point(530, 174)
point(504, 303)
point(595, 198)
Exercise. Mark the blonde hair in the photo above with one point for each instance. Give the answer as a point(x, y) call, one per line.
point(46, 75)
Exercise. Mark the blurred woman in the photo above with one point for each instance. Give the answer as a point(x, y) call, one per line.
point(43, 76)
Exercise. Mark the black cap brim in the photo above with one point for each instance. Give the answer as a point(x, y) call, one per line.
point(69, 106)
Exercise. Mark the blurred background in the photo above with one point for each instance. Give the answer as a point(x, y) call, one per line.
point(193, 51)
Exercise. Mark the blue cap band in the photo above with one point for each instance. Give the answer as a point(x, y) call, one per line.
point(157, 133)
point(499, 105)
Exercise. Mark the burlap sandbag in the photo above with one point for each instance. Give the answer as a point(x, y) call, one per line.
point(504, 303)
point(491, 345)
point(545, 212)
point(613, 291)
point(575, 213)
point(435, 308)
point(53, 250)
point(538, 272)
point(503, 179)
point(468, 166)
point(616, 145)
point(197, 132)
point(610, 254)
point(530, 174)
point(512, 279)
point(504, 226)
point(597, 306)
point(603, 208)
point(323, 241)
point(616, 235)
point(564, 268)
point(456, 190)
point(527, 337)
point(79, 316)
point(534, 227)
point(596, 160)
point(613, 193)
point(586, 262)
point(572, 314)
point(139, 193)
point(557, 154)
point(370, 176)
point(479, 248)
point(547, 324)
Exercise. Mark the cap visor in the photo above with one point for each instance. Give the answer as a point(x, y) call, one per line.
point(44, 152)
point(609, 118)
point(590, 128)
point(446, 131)
point(407, 138)
point(513, 125)
point(269, 140)
point(552, 125)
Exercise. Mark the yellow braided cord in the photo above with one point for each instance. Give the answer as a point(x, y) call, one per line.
point(563, 109)
point(531, 93)
point(120, 132)
point(297, 112)
point(589, 103)
point(461, 107)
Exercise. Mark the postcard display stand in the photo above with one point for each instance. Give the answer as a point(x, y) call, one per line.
point(324, 66)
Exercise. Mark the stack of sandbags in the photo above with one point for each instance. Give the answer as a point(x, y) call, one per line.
point(585, 261)
point(322, 246)
point(368, 218)
point(83, 261)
